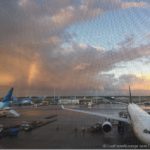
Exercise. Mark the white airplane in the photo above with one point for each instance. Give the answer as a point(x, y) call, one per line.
point(5, 110)
point(22, 101)
point(137, 118)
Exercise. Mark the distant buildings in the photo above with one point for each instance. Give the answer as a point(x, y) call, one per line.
point(68, 101)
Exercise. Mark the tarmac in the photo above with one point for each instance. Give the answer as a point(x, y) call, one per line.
point(67, 130)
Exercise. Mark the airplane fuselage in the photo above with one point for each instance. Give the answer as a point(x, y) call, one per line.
point(140, 121)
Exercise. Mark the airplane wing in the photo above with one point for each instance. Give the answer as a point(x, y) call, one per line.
point(9, 112)
point(98, 114)
point(14, 113)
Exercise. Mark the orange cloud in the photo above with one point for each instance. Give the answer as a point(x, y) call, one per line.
point(138, 86)
point(33, 69)
point(142, 83)
point(81, 66)
point(63, 16)
point(6, 79)
point(32, 73)
point(133, 4)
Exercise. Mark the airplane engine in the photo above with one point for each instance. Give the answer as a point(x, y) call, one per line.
point(107, 126)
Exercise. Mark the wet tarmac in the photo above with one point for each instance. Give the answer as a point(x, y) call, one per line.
point(68, 130)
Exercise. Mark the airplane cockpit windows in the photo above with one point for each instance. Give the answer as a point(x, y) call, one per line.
point(146, 131)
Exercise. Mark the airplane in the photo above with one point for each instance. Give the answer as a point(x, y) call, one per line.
point(5, 109)
point(137, 118)
point(22, 101)
point(40, 101)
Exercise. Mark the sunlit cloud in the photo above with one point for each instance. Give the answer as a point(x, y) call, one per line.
point(81, 66)
point(63, 16)
point(32, 73)
point(38, 53)
point(144, 82)
point(6, 79)
point(134, 4)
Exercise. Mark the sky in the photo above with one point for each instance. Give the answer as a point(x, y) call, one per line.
point(77, 47)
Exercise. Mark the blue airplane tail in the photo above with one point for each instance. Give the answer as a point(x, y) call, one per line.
point(8, 96)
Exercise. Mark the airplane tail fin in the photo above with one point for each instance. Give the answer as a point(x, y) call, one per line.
point(130, 98)
point(8, 96)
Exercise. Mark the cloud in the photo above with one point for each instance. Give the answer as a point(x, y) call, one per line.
point(133, 4)
point(33, 20)
point(81, 66)
point(6, 79)
point(79, 70)
point(137, 83)
point(37, 54)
